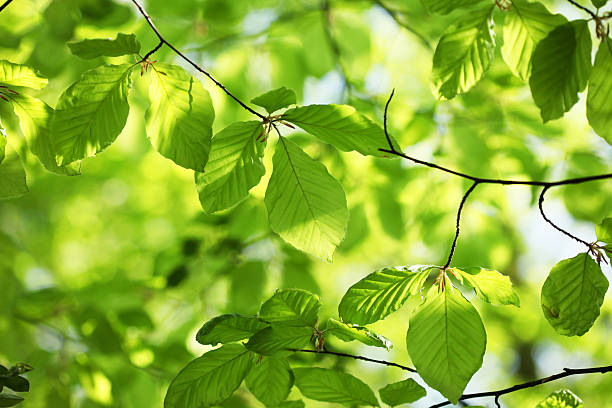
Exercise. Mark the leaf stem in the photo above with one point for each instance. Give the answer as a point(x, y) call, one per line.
point(581, 7)
point(163, 41)
point(357, 357)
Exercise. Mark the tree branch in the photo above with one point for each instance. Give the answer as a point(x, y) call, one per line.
point(567, 372)
point(163, 41)
point(540, 202)
point(5, 4)
point(454, 245)
point(581, 7)
point(356, 357)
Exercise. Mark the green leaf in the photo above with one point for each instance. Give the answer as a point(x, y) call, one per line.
point(327, 385)
point(604, 231)
point(17, 383)
point(350, 332)
point(446, 6)
point(14, 75)
point(526, 24)
point(561, 66)
point(464, 53)
point(381, 293)
point(234, 166)
point(342, 127)
point(35, 121)
point(228, 328)
point(209, 379)
point(306, 205)
point(599, 3)
point(561, 399)
point(104, 47)
point(2, 142)
point(446, 341)
point(279, 340)
point(9, 400)
point(291, 306)
point(275, 100)
point(12, 175)
point(599, 108)
point(291, 404)
point(402, 392)
point(270, 381)
point(572, 295)
point(489, 285)
point(179, 121)
point(91, 113)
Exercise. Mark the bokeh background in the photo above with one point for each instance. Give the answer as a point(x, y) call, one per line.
point(106, 277)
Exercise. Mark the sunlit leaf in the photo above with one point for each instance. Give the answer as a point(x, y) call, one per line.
point(234, 166)
point(525, 25)
point(489, 285)
point(341, 126)
point(402, 392)
point(382, 293)
point(350, 332)
point(270, 381)
point(604, 230)
point(561, 66)
point(561, 399)
point(276, 99)
point(228, 328)
point(464, 53)
point(179, 121)
point(306, 205)
point(572, 295)
point(14, 75)
point(9, 400)
point(446, 6)
point(599, 108)
point(91, 113)
point(210, 379)
point(12, 175)
point(327, 385)
point(291, 306)
point(446, 341)
point(103, 47)
point(279, 340)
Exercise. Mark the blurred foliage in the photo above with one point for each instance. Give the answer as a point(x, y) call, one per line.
point(106, 277)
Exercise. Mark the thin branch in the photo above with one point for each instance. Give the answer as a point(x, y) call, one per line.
point(162, 40)
point(454, 245)
point(395, 15)
point(356, 357)
point(5, 4)
point(567, 372)
point(540, 202)
point(581, 7)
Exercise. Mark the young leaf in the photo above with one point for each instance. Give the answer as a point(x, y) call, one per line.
point(525, 25)
point(342, 127)
point(327, 385)
point(446, 6)
point(179, 121)
point(561, 66)
point(104, 47)
point(490, 286)
point(35, 120)
point(572, 295)
point(291, 404)
point(291, 306)
point(446, 341)
point(91, 113)
point(279, 340)
point(234, 166)
point(381, 293)
point(402, 392)
point(275, 100)
point(464, 53)
point(561, 399)
point(12, 175)
point(350, 332)
point(209, 379)
point(599, 108)
point(9, 400)
point(604, 231)
point(270, 381)
point(306, 205)
point(228, 328)
point(13, 75)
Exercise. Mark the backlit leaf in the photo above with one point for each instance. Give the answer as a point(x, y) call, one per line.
point(12, 175)
point(291, 306)
point(599, 107)
point(228, 328)
point(350, 332)
point(490, 286)
point(279, 340)
point(402, 392)
point(276, 99)
point(14, 75)
point(561, 399)
point(327, 385)
point(104, 47)
point(270, 381)
point(446, 6)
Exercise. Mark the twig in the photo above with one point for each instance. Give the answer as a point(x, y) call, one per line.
point(5, 4)
point(540, 202)
point(581, 7)
point(567, 372)
point(454, 244)
point(162, 41)
point(356, 357)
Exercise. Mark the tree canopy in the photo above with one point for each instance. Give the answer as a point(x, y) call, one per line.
point(305, 203)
